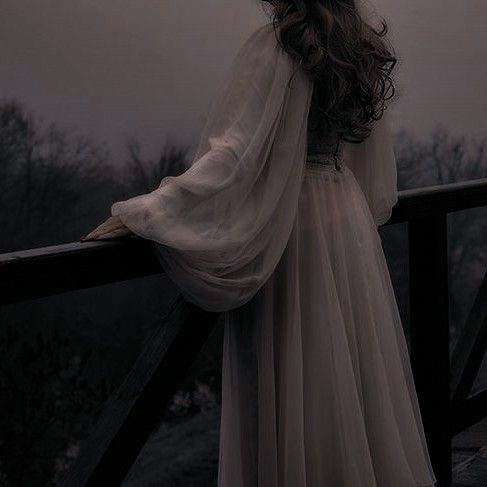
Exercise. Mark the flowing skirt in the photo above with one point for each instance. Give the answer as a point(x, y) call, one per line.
point(317, 384)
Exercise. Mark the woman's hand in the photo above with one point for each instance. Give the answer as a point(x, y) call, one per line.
point(111, 228)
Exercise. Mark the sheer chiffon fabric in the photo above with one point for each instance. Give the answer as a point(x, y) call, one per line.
point(317, 385)
point(221, 227)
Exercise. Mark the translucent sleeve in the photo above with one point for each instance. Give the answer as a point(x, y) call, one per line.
point(373, 164)
point(221, 227)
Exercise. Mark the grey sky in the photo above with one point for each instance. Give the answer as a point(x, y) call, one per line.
point(151, 67)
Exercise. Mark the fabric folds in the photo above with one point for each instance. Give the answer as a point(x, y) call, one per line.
point(317, 385)
point(317, 388)
point(373, 164)
point(221, 227)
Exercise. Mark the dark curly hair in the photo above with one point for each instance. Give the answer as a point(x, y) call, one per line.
point(349, 60)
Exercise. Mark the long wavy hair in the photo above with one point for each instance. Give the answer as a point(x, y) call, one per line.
point(349, 60)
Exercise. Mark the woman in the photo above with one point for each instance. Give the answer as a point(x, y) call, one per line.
point(275, 224)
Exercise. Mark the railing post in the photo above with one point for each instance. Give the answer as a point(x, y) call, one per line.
point(429, 328)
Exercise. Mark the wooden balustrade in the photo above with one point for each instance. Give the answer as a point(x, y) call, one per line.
point(136, 408)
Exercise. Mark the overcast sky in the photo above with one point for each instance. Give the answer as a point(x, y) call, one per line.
point(150, 68)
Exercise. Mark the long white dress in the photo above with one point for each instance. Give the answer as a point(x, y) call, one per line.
point(317, 384)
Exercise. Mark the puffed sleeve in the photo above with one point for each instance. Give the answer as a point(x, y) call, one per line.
point(373, 164)
point(220, 228)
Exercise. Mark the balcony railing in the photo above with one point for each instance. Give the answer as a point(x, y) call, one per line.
point(443, 383)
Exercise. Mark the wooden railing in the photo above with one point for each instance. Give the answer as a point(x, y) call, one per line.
point(443, 384)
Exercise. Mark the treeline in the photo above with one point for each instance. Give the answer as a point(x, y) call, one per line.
point(61, 357)
point(55, 184)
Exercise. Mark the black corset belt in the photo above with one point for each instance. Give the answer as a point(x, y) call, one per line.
point(324, 159)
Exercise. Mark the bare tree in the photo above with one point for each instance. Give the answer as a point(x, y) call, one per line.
point(47, 178)
point(445, 158)
point(440, 158)
point(144, 175)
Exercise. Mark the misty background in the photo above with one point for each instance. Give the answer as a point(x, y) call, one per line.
point(98, 102)
point(150, 68)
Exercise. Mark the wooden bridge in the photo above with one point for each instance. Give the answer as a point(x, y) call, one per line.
point(443, 382)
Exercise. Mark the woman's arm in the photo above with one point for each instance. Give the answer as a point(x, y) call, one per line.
point(220, 228)
point(373, 164)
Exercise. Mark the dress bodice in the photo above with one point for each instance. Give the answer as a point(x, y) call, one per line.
point(320, 148)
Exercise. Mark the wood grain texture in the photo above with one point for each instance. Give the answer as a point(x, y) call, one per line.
point(53, 270)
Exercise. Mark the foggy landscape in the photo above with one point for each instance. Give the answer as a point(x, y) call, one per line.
point(98, 102)
point(150, 68)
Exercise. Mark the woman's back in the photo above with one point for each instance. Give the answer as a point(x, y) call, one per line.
point(320, 147)
point(318, 142)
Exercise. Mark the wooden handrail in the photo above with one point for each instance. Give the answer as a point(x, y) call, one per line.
point(436, 200)
point(53, 270)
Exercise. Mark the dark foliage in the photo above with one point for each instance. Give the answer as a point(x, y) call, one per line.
point(46, 395)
